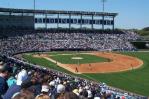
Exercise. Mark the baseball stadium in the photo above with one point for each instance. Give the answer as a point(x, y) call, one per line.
point(62, 54)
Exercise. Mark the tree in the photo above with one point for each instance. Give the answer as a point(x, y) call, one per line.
point(146, 29)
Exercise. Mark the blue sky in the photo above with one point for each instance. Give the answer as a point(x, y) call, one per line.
point(132, 13)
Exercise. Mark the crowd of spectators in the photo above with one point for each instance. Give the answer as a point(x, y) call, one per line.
point(21, 80)
point(85, 41)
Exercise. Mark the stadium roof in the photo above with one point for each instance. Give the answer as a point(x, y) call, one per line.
point(12, 10)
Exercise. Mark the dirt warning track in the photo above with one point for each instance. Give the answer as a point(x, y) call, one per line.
point(117, 63)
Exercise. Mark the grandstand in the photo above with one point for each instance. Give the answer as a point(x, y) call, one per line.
point(47, 38)
point(68, 41)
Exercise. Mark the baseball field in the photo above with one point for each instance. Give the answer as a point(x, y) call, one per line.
point(126, 70)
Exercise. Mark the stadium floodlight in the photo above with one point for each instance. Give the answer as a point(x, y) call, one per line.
point(103, 5)
point(34, 4)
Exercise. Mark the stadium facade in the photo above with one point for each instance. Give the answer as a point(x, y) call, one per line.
point(35, 19)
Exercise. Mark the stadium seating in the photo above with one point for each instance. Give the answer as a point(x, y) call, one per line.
point(33, 81)
point(54, 41)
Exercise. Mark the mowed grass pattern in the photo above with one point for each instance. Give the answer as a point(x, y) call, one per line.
point(67, 59)
point(136, 81)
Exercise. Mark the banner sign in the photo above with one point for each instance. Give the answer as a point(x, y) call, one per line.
point(72, 21)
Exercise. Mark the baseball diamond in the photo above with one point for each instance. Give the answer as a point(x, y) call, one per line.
point(120, 78)
point(115, 65)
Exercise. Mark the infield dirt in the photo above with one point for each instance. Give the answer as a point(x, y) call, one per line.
point(117, 63)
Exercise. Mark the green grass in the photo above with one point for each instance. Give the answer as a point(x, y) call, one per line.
point(143, 33)
point(44, 63)
point(146, 37)
point(67, 59)
point(136, 81)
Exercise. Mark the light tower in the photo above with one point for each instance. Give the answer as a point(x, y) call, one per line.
point(103, 5)
point(103, 10)
point(34, 4)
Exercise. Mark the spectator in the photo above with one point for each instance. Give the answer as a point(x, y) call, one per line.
point(5, 72)
point(43, 96)
point(23, 94)
point(22, 76)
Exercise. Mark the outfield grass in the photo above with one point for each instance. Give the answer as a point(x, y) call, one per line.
point(136, 81)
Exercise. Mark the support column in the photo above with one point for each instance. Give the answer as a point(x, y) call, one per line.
point(113, 23)
point(22, 21)
point(34, 12)
point(70, 21)
point(58, 20)
point(92, 22)
point(81, 22)
point(103, 18)
point(46, 21)
point(10, 14)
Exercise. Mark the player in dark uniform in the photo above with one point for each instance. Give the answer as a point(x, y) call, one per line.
point(76, 69)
